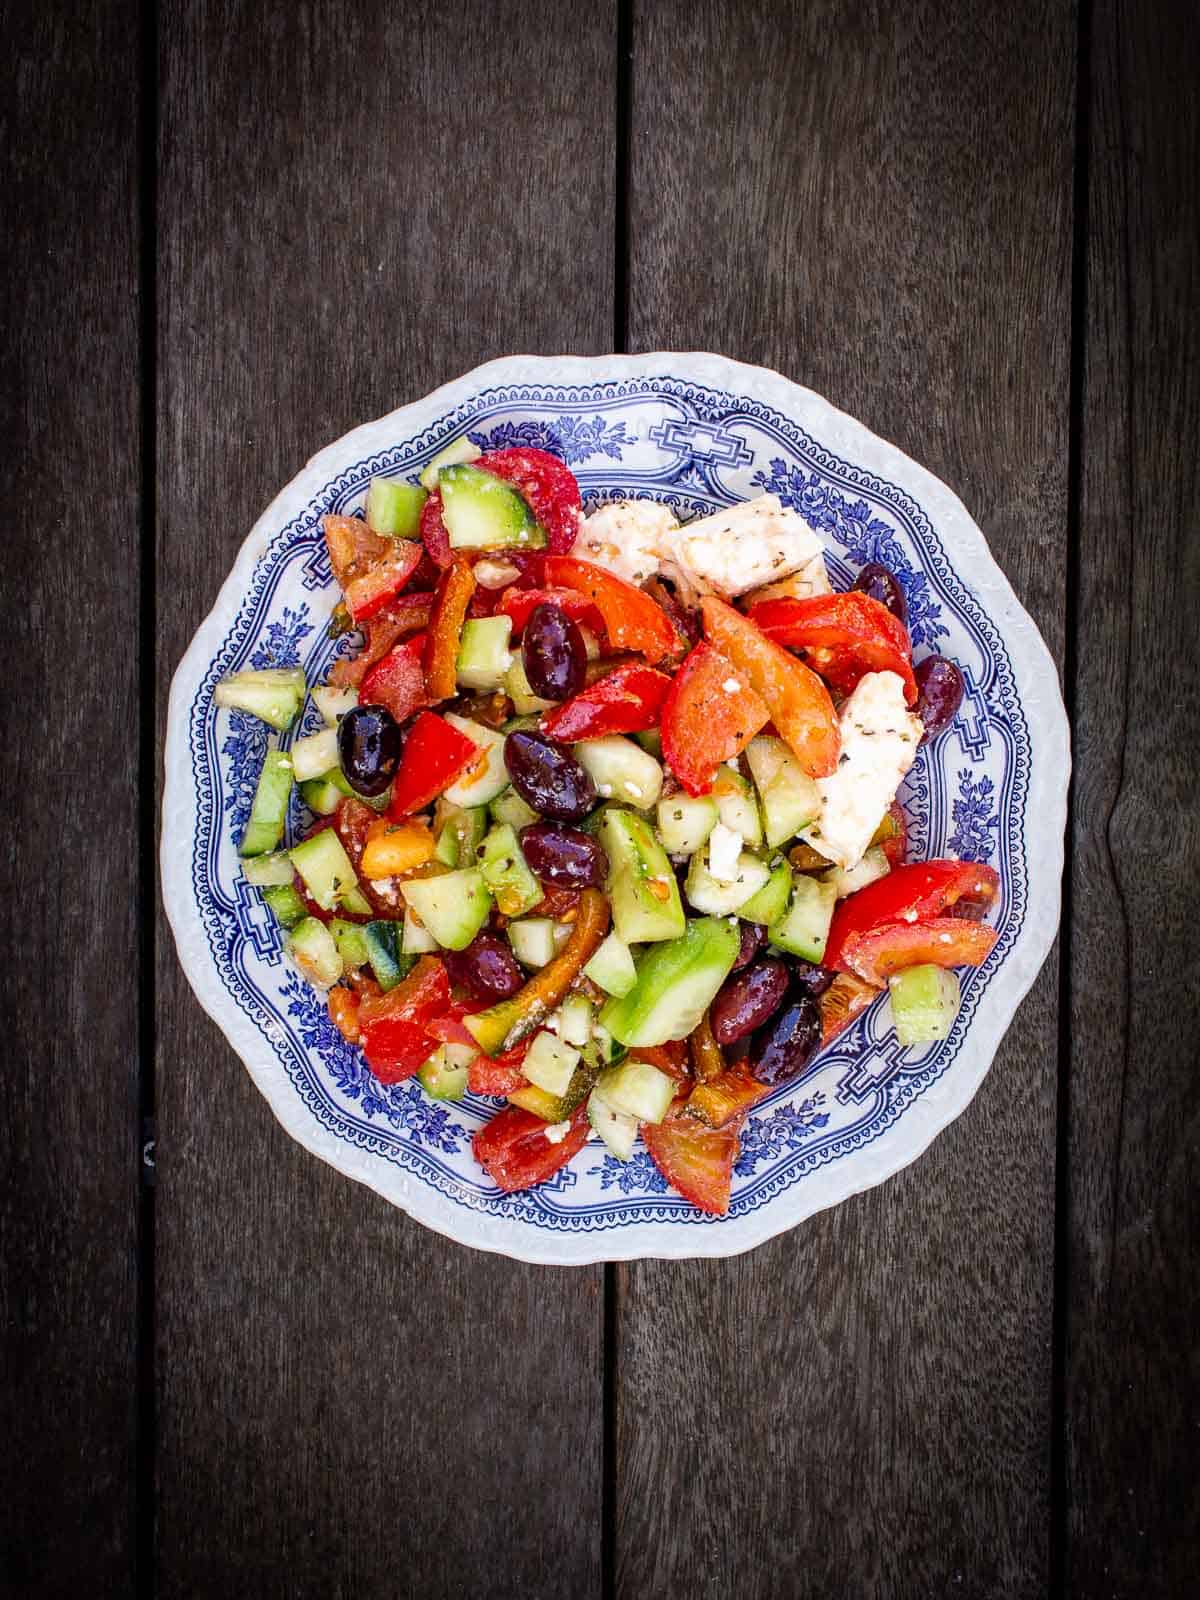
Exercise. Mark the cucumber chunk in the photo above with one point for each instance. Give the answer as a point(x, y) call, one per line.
point(509, 807)
point(269, 870)
point(477, 786)
point(321, 795)
point(574, 1020)
point(803, 930)
point(925, 1001)
point(388, 962)
point(333, 702)
point(789, 798)
point(313, 755)
point(849, 880)
point(460, 831)
point(507, 875)
point(351, 941)
point(268, 811)
point(483, 512)
point(617, 1130)
point(771, 901)
point(311, 946)
point(520, 691)
point(394, 508)
point(444, 1075)
point(621, 770)
point(327, 871)
point(272, 694)
point(536, 941)
point(550, 1063)
point(483, 654)
point(638, 1089)
point(717, 898)
point(453, 907)
point(456, 453)
point(650, 740)
point(415, 940)
point(641, 884)
point(736, 804)
point(284, 904)
point(675, 984)
point(684, 823)
point(612, 966)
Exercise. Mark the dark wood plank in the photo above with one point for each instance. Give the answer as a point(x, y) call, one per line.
point(1132, 1360)
point(357, 204)
point(68, 910)
point(876, 200)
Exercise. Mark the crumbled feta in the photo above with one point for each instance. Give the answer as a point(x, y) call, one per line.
point(556, 1132)
point(724, 851)
point(879, 744)
point(744, 546)
point(495, 574)
point(731, 686)
point(625, 537)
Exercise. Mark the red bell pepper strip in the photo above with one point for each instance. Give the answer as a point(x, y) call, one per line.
point(629, 699)
point(435, 536)
point(797, 700)
point(547, 486)
point(696, 1161)
point(632, 620)
point(842, 636)
point(394, 1027)
point(369, 593)
point(398, 681)
point(499, 1077)
point(515, 1153)
point(452, 597)
point(880, 929)
point(704, 721)
point(518, 603)
point(435, 754)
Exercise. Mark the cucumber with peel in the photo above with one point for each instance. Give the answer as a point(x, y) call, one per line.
point(550, 1063)
point(509, 807)
point(621, 770)
point(313, 755)
point(641, 883)
point(388, 962)
point(612, 966)
point(483, 512)
point(268, 871)
point(351, 941)
point(637, 1088)
point(925, 1001)
point(444, 1075)
point(789, 798)
point(321, 796)
point(483, 654)
point(506, 873)
point(457, 453)
point(771, 901)
point(328, 873)
point(460, 831)
point(479, 784)
point(736, 803)
point(394, 508)
point(717, 898)
point(520, 691)
point(284, 904)
point(617, 1129)
point(268, 811)
point(676, 982)
point(311, 946)
point(272, 694)
point(452, 907)
point(803, 930)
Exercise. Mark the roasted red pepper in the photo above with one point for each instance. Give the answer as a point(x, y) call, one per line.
point(631, 619)
point(629, 699)
point(394, 1027)
point(518, 603)
point(516, 1154)
point(398, 681)
point(548, 487)
point(435, 754)
point(842, 636)
point(451, 599)
point(901, 921)
point(710, 715)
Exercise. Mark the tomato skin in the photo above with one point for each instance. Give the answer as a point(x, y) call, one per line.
point(846, 998)
point(629, 699)
point(405, 615)
point(898, 921)
point(397, 682)
point(394, 1027)
point(435, 754)
point(353, 548)
point(843, 636)
point(518, 603)
point(515, 1153)
point(435, 536)
point(548, 487)
point(702, 723)
point(500, 1076)
point(453, 596)
point(670, 1058)
point(796, 699)
point(367, 595)
point(940, 942)
point(632, 620)
point(696, 1161)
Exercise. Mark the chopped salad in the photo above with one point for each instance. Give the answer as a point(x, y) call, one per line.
point(604, 813)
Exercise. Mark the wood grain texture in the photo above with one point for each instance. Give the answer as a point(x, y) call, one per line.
point(1133, 1359)
point(859, 196)
point(68, 908)
point(358, 203)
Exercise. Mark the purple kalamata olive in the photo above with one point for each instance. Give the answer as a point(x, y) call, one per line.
point(808, 978)
point(487, 968)
point(785, 1046)
point(882, 584)
point(554, 653)
point(547, 777)
point(747, 1000)
point(939, 694)
point(564, 856)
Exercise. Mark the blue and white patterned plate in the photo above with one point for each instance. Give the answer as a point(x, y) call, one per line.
point(697, 432)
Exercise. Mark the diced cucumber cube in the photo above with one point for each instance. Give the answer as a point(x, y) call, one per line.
point(284, 904)
point(676, 982)
point(483, 512)
point(616, 1128)
point(736, 804)
point(333, 702)
point(479, 785)
point(621, 770)
point(717, 898)
point(506, 873)
point(638, 1089)
point(327, 871)
point(536, 941)
point(460, 832)
point(388, 962)
point(520, 691)
point(394, 508)
point(804, 928)
point(273, 694)
point(771, 901)
point(415, 940)
point(483, 653)
point(452, 907)
point(351, 941)
point(268, 811)
point(550, 1063)
point(789, 798)
point(313, 755)
point(612, 966)
point(641, 883)
point(444, 1075)
point(269, 870)
point(321, 795)
point(456, 453)
point(925, 1001)
point(509, 807)
point(575, 1020)
point(311, 946)
point(684, 823)
point(849, 880)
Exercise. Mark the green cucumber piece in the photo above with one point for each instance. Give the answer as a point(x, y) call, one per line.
point(641, 885)
point(771, 901)
point(925, 1001)
point(617, 1130)
point(536, 941)
point(483, 512)
point(789, 798)
point(394, 508)
point(460, 831)
point(550, 1063)
point(333, 703)
point(484, 784)
point(321, 795)
point(483, 653)
point(284, 904)
point(608, 1050)
point(612, 966)
point(650, 740)
point(638, 1089)
point(509, 807)
point(453, 454)
point(716, 898)
point(268, 812)
point(415, 940)
point(351, 941)
point(621, 770)
point(684, 823)
point(453, 907)
point(520, 691)
point(849, 880)
point(268, 871)
point(388, 962)
point(313, 755)
point(675, 984)
point(804, 928)
point(444, 1075)
point(327, 872)
point(311, 946)
point(736, 804)
point(575, 1020)
point(513, 886)
point(272, 694)
point(356, 903)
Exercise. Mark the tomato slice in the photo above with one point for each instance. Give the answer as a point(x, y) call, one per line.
point(353, 548)
point(515, 1153)
point(398, 681)
point(518, 603)
point(453, 596)
point(500, 1076)
point(548, 487)
point(369, 593)
point(395, 1026)
point(405, 615)
point(705, 722)
point(797, 700)
point(670, 1058)
point(942, 941)
point(632, 620)
point(847, 997)
point(435, 754)
point(696, 1161)
point(629, 699)
point(843, 636)
point(899, 921)
point(435, 536)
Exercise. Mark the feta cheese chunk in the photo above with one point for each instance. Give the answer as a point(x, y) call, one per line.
point(879, 744)
point(625, 538)
point(724, 850)
point(743, 547)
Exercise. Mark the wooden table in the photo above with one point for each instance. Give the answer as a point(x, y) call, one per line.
point(236, 230)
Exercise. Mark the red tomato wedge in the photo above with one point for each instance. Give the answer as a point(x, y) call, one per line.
point(398, 681)
point(394, 1027)
point(435, 536)
point(941, 942)
point(406, 614)
point(547, 486)
point(435, 754)
point(518, 603)
point(696, 1161)
point(353, 548)
point(704, 722)
point(796, 699)
point(368, 594)
point(843, 636)
point(515, 1153)
point(846, 998)
point(454, 591)
point(631, 619)
point(883, 927)
point(670, 1058)
point(500, 1076)
point(629, 699)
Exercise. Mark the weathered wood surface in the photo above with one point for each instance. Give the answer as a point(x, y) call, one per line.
point(357, 203)
point(69, 903)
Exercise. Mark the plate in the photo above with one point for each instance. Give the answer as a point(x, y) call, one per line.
point(697, 432)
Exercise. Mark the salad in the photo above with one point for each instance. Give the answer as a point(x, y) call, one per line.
point(603, 813)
